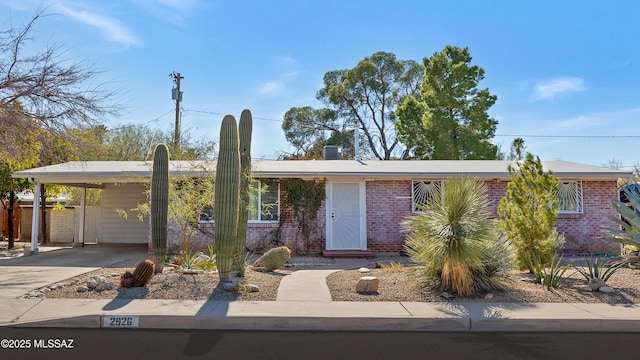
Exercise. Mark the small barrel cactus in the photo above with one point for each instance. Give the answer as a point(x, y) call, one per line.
point(126, 279)
point(273, 259)
point(143, 273)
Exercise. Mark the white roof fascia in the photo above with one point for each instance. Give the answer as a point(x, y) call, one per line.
point(139, 171)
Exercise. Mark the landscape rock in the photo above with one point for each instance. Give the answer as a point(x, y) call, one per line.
point(100, 279)
point(489, 296)
point(250, 288)
point(82, 289)
point(102, 286)
point(92, 283)
point(231, 286)
point(192, 271)
point(33, 294)
point(364, 270)
point(595, 284)
point(367, 284)
point(606, 289)
point(586, 288)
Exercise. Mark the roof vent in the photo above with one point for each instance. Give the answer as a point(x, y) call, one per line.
point(333, 152)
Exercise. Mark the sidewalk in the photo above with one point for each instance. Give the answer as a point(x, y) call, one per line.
point(302, 303)
point(330, 316)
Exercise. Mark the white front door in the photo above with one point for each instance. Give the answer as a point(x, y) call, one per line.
point(346, 216)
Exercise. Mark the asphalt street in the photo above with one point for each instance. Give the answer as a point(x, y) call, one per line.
point(98, 344)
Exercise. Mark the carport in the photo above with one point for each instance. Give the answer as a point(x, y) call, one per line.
point(84, 175)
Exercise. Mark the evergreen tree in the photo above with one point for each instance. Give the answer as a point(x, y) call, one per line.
point(528, 212)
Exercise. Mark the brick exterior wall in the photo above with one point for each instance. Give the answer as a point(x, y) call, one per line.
point(261, 236)
point(389, 202)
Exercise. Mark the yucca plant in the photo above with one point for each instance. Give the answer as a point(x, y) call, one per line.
point(452, 236)
point(554, 275)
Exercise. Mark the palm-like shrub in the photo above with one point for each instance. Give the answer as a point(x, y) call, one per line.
point(455, 242)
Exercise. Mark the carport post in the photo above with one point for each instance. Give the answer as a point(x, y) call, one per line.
point(83, 199)
point(35, 220)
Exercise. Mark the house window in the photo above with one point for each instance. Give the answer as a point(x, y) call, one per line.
point(264, 203)
point(422, 193)
point(569, 196)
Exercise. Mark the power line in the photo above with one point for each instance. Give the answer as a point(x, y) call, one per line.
point(142, 124)
point(221, 114)
point(572, 136)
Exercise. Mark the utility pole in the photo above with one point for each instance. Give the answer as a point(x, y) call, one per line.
point(176, 95)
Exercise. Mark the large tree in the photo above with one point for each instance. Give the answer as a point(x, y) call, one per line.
point(363, 98)
point(136, 142)
point(47, 94)
point(451, 120)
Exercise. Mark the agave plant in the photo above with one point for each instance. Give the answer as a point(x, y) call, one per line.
point(454, 241)
point(598, 268)
point(628, 232)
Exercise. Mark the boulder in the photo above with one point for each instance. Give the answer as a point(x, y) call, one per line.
point(606, 289)
point(586, 288)
point(595, 284)
point(102, 286)
point(367, 284)
point(92, 283)
point(82, 289)
point(250, 288)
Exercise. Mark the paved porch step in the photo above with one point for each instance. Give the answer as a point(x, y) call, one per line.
point(348, 254)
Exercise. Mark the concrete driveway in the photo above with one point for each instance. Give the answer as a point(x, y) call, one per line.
point(21, 275)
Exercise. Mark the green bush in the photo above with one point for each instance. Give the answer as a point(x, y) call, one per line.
point(528, 212)
point(454, 241)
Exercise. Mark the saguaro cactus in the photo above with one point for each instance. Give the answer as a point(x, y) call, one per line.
point(244, 129)
point(159, 204)
point(227, 196)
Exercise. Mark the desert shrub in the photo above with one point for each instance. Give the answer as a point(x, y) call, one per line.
point(453, 240)
point(528, 212)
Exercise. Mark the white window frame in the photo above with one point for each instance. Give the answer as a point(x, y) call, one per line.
point(259, 195)
point(430, 184)
point(255, 192)
point(571, 190)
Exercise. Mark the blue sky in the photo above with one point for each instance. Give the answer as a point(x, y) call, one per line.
point(559, 68)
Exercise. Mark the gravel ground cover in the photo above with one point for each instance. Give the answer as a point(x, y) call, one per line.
point(397, 283)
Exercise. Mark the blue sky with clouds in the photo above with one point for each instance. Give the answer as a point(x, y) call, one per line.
point(559, 68)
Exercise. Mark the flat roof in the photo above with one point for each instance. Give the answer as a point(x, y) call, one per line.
point(98, 172)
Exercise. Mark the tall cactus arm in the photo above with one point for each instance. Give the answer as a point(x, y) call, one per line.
point(227, 196)
point(159, 204)
point(244, 129)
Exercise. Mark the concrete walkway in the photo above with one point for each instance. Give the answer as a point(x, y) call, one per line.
point(311, 284)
